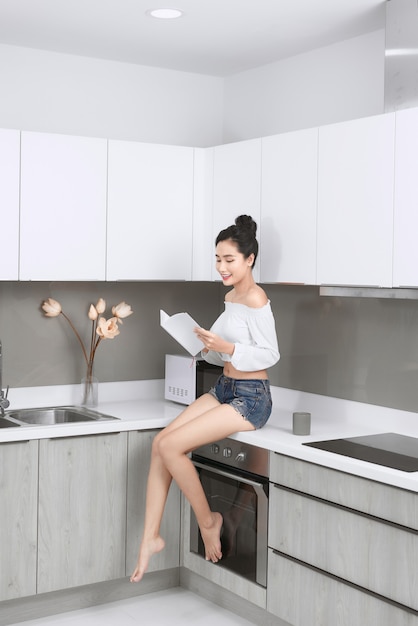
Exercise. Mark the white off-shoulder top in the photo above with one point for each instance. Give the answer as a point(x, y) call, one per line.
point(253, 332)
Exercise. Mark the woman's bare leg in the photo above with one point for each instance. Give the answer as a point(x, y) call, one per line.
point(159, 480)
point(214, 424)
point(158, 484)
point(202, 422)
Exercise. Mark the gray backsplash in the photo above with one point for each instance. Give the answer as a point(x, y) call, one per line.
point(354, 348)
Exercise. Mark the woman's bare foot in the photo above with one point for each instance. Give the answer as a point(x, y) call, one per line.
point(147, 549)
point(212, 538)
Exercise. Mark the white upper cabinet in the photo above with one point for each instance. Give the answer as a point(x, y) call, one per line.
point(203, 246)
point(355, 202)
point(63, 207)
point(236, 187)
point(9, 203)
point(288, 207)
point(405, 252)
point(150, 212)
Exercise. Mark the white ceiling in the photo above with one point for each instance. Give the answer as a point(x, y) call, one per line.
point(218, 37)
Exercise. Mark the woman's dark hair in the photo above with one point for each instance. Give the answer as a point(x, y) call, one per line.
point(243, 234)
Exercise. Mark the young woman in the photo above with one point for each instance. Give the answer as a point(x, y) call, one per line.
point(244, 341)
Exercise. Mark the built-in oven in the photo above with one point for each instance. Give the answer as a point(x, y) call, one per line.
point(234, 476)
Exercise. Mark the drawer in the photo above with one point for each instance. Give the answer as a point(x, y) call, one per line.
point(372, 554)
point(302, 596)
point(390, 503)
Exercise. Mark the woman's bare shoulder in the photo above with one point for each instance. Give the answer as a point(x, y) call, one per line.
point(256, 297)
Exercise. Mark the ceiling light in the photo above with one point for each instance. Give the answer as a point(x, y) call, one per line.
point(165, 14)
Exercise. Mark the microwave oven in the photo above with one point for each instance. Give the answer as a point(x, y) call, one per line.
point(187, 377)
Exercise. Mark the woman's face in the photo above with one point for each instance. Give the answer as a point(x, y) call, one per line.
point(231, 264)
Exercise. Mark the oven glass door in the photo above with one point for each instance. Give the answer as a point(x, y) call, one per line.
point(243, 503)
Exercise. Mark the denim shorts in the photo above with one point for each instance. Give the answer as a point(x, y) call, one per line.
point(251, 398)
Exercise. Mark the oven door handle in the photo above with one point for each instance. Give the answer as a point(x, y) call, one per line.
point(220, 472)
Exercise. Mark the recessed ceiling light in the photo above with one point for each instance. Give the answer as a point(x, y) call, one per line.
point(165, 14)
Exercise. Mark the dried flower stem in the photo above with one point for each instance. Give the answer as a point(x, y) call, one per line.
point(77, 335)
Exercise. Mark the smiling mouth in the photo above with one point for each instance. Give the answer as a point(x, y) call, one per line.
point(225, 276)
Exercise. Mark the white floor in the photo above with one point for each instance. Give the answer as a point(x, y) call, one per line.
point(174, 607)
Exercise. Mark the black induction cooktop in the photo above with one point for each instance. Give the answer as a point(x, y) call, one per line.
point(389, 449)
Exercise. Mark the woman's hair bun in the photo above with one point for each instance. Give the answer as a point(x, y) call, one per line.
point(242, 233)
point(246, 221)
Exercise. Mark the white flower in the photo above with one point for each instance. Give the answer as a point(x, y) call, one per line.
point(100, 306)
point(51, 307)
point(121, 310)
point(93, 314)
point(107, 329)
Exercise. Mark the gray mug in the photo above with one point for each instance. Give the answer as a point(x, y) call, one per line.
point(301, 423)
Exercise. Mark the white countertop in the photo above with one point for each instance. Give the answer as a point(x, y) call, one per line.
point(140, 405)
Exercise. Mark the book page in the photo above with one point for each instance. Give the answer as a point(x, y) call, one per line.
point(181, 327)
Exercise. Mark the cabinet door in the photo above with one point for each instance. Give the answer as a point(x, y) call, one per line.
point(82, 510)
point(63, 207)
point(18, 518)
point(150, 212)
point(405, 253)
point(375, 555)
point(9, 203)
point(139, 456)
point(288, 207)
point(355, 202)
point(236, 187)
point(203, 245)
point(302, 595)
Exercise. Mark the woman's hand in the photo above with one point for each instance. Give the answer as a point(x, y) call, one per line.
point(214, 342)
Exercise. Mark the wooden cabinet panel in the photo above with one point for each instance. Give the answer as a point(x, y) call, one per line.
point(9, 203)
point(375, 555)
point(302, 596)
point(139, 455)
point(384, 501)
point(82, 510)
point(63, 207)
point(18, 518)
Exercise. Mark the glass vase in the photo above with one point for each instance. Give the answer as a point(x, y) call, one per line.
point(89, 391)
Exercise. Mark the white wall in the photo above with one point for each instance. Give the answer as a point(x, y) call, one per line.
point(331, 84)
point(52, 92)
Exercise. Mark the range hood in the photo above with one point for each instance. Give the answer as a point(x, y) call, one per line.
point(401, 55)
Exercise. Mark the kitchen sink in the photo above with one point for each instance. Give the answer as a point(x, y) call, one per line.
point(48, 416)
point(6, 423)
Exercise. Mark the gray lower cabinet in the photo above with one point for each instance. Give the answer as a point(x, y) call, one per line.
point(302, 596)
point(139, 455)
point(341, 551)
point(18, 518)
point(82, 510)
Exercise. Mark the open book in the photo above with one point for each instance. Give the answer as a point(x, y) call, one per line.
point(181, 326)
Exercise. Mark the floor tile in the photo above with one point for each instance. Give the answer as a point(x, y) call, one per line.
point(174, 607)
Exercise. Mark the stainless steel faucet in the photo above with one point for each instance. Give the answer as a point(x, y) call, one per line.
point(4, 403)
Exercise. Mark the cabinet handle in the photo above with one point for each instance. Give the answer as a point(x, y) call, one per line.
point(8, 443)
point(83, 435)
